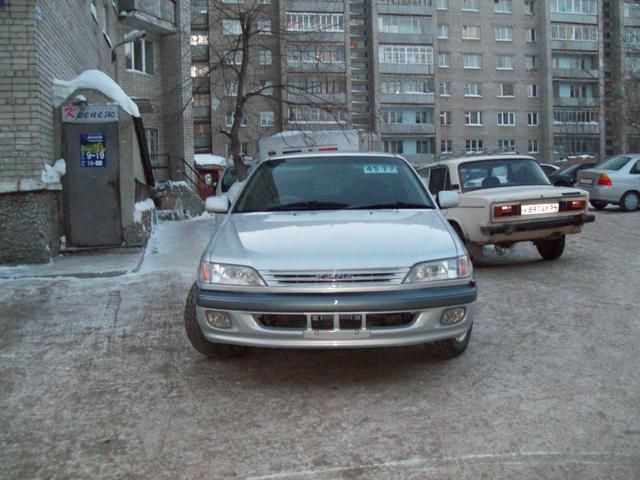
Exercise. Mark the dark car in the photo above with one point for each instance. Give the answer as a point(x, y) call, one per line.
point(567, 177)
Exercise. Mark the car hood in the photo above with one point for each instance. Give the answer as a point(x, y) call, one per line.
point(520, 193)
point(322, 240)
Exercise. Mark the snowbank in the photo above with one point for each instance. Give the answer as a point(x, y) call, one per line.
point(94, 80)
point(51, 175)
point(206, 159)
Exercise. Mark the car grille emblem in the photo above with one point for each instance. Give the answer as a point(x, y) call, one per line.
point(335, 277)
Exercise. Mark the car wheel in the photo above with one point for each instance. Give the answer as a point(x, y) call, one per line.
point(629, 202)
point(195, 335)
point(552, 248)
point(598, 204)
point(449, 348)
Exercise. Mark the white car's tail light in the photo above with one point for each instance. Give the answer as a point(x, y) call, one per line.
point(573, 205)
point(506, 210)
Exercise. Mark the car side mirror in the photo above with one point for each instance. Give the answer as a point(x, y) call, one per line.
point(448, 199)
point(218, 204)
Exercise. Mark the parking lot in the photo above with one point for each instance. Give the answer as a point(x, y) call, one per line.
point(97, 379)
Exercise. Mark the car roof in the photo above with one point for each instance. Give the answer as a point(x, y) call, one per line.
point(335, 154)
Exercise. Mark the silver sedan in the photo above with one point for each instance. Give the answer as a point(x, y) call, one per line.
point(616, 181)
point(332, 251)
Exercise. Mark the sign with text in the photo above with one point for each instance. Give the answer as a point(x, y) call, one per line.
point(90, 114)
point(93, 150)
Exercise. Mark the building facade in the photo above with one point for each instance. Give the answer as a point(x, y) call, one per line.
point(430, 77)
point(44, 40)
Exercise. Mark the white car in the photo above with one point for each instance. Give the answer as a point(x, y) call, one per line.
point(505, 199)
point(332, 251)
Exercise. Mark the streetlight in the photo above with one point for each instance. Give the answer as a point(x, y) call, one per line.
point(131, 36)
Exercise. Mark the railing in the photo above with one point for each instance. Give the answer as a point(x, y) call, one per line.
point(192, 176)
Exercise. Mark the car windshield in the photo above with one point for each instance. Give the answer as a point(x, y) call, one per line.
point(614, 163)
point(502, 172)
point(332, 183)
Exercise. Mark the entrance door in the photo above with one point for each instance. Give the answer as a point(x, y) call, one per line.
point(92, 189)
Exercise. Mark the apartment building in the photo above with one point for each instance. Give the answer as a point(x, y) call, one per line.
point(432, 77)
point(44, 40)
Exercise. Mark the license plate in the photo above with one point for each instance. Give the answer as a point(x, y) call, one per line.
point(539, 208)
point(336, 334)
point(586, 181)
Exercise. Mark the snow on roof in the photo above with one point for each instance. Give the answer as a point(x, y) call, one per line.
point(206, 159)
point(94, 80)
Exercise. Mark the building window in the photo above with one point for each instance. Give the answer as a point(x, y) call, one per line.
point(446, 146)
point(472, 61)
point(532, 90)
point(581, 7)
point(199, 70)
point(503, 6)
point(393, 146)
point(152, 141)
point(506, 119)
point(507, 145)
point(266, 119)
point(404, 24)
point(424, 146)
point(532, 146)
point(444, 60)
point(443, 31)
point(574, 32)
point(445, 89)
point(530, 35)
point(229, 117)
point(424, 117)
point(306, 114)
point(504, 62)
point(471, 32)
point(264, 27)
point(631, 9)
point(406, 54)
point(264, 57)
point(529, 7)
point(392, 116)
point(531, 62)
point(473, 89)
point(445, 118)
point(473, 119)
point(471, 5)
point(473, 145)
point(505, 90)
point(504, 34)
point(139, 56)
point(315, 22)
point(199, 39)
point(233, 57)
point(532, 119)
point(231, 27)
point(315, 53)
point(574, 116)
point(442, 4)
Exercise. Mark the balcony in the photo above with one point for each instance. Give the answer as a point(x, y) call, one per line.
point(408, 128)
point(408, 98)
point(575, 73)
point(576, 102)
point(321, 98)
point(406, 38)
point(581, 46)
point(199, 52)
point(201, 113)
point(312, 67)
point(576, 128)
point(154, 15)
point(574, 18)
point(406, 8)
point(408, 68)
point(323, 37)
point(329, 6)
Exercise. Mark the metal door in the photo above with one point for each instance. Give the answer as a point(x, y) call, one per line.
point(92, 189)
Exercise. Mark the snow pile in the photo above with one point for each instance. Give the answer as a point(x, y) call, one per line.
point(52, 174)
point(141, 207)
point(94, 80)
point(206, 159)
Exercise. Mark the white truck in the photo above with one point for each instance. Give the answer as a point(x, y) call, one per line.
point(308, 141)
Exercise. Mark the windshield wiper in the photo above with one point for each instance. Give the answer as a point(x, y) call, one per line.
point(393, 205)
point(308, 205)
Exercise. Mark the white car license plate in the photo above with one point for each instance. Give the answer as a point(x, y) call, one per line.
point(586, 181)
point(539, 208)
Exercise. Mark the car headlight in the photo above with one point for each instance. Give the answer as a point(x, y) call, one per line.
point(448, 269)
point(229, 274)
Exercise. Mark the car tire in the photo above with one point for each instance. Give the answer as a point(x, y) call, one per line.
point(629, 202)
point(195, 335)
point(449, 348)
point(598, 204)
point(552, 248)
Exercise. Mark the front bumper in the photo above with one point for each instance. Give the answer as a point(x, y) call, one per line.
point(425, 305)
point(551, 224)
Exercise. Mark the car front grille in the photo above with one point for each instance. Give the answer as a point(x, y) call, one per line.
point(330, 321)
point(350, 278)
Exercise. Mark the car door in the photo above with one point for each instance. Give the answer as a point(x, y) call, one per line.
point(635, 174)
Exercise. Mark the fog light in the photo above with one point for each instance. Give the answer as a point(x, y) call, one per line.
point(218, 319)
point(452, 316)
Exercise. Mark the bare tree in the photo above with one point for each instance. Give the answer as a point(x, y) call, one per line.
point(247, 41)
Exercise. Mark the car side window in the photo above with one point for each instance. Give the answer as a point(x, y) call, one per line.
point(439, 180)
point(636, 168)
